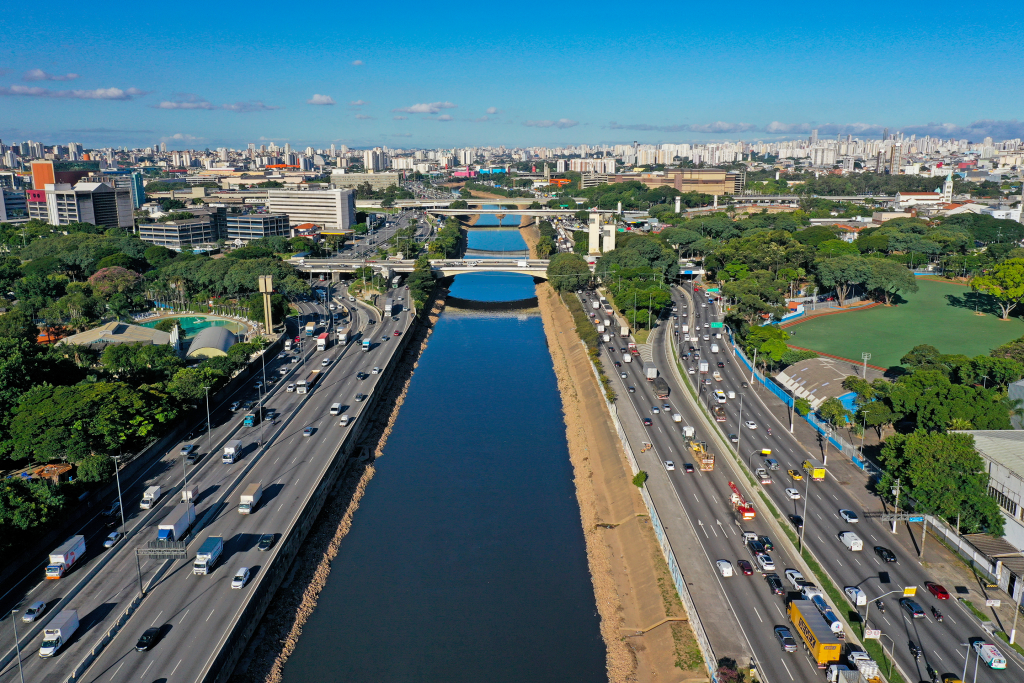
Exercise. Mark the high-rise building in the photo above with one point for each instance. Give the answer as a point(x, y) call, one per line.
point(163, 148)
point(50, 172)
point(95, 203)
point(814, 136)
point(330, 210)
point(374, 160)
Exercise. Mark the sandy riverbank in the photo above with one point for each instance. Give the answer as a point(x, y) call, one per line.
point(632, 584)
point(531, 235)
point(279, 631)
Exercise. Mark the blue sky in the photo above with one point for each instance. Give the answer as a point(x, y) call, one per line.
point(430, 75)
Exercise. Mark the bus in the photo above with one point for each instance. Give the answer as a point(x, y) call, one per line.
point(310, 329)
point(395, 281)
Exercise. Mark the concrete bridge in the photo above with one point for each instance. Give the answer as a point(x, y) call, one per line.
point(442, 267)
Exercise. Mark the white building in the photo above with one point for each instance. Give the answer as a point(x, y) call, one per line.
point(330, 210)
point(95, 203)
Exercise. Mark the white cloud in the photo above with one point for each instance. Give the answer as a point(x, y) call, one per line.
point(358, 103)
point(40, 75)
point(246, 107)
point(400, 118)
point(716, 127)
point(444, 117)
point(320, 99)
point(97, 94)
point(427, 108)
point(779, 127)
point(181, 137)
point(492, 110)
point(364, 117)
point(560, 123)
point(188, 101)
point(357, 62)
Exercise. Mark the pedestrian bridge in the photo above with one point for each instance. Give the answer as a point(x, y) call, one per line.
point(442, 267)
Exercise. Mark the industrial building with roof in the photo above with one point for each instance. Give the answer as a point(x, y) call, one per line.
point(1003, 453)
point(212, 341)
point(121, 333)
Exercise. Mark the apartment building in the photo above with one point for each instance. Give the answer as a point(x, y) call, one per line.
point(330, 210)
point(377, 181)
point(96, 203)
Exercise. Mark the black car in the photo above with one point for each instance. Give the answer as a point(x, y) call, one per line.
point(688, 468)
point(797, 521)
point(721, 364)
point(756, 547)
point(912, 608)
point(774, 584)
point(744, 385)
point(266, 542)
point(361, 375)
point(611, 349)
point(197, 432)
point(112, 509)
point(766, 542)
point(618, 364)
point(148, 639)
point(884, 553)
point(193, 457)
point(632, 390)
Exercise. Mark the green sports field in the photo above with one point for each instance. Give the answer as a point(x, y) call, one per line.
point(939, 314)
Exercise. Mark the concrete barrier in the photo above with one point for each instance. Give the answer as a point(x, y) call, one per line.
point(111, 633)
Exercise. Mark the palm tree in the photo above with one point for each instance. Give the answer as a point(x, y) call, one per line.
point(959, 423)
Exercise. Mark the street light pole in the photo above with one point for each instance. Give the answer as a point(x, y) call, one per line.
point(739, 429)
point(967, 658)
point(897, 505)
point(807, 493)
point(209, 431)
point(866, 356)
point(17, 645)
point(1013, 629)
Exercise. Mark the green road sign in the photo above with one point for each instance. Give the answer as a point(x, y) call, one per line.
point(716, 324)
point(713, 289)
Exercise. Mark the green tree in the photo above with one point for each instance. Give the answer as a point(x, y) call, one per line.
point(568, 272)
point(96, 468)
point(834, 412)
point(842, 273)
point(1005, 283)
point(27, 504)
point(459, 204)
point(544, 247)
point(876, 415)
point(887, 278)
point(114, 280)
point(189, 384)
point(833, 247)
point(802, 406)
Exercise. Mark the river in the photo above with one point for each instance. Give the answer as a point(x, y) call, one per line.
point(466, 561)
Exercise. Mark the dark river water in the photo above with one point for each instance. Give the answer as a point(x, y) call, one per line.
point(466, 561)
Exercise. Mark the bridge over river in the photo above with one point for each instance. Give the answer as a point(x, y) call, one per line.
point(443, 267)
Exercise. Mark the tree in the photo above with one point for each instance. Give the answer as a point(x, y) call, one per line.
point(544, 247)
point(168, 324)
point(459, 204)
point(27, 504)
point(189, 384)
point(802, 406)
point(1005, 283)
point(932, 401)
point(96, 468)
point(834, 412)
point(158, 256)
point(568, 272)
point(114, 280)
point(842, 273)
point(888, 278)
point(876, 415)
point(833, 247)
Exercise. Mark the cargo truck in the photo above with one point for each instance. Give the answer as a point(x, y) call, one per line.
point(287, 344)
point(704, 367)
point(719, 413)
point(304, 386)
point(714, 348)
point(189, 495)
point(814, 469)
point(600, 329)
point(366, 345)
point(343, 338)
point(65, 556)
point(821, 643)
point(623, 331)
point(207, 555)
point(177, 524)
point(250, 498)
point(150, 497)
point(650, 371)
point(321, 341)
point(627, 358)
point(252, 419)
point(58, 632)
point(606, 338)
point(310, 329)
point(389, 305)
point(232, 449)
point(595, 305)
point(660, 387)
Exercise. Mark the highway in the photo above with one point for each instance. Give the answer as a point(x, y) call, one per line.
point(865, 569)
point(194, 611)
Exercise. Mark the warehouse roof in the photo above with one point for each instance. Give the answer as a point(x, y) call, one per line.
point(118, 333)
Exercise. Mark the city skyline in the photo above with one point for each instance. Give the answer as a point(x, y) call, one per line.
point(484, 77)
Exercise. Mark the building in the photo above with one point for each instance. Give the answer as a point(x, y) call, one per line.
point(377, 181)
point(120, 333)
point(182, 234)
point(1003, 454)
point(35, 202)
point(713, 181)
point(210, 342)
point(13, 206)
point(246, 228)
point(331, 210)
point(95, 203)
point(55, 172)
point(819, 379)
point(131, 181)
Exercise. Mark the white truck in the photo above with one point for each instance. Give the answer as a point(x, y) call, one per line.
point(65, 556)
point(177, 524)
point(851, 540)
point(595, 305)
point(623, 331)
point(606, 338)
point(521, 264)
point(250, 498)
point(703, 367)
point(189, 495)
point(688, 431)
point(627, 358)
point(389, 305)
point(343, 338)
point(149, 497)
point(207, 555)
point(232, 450)
point(650, 371)
point(58, 632)
point(714, 348)
point(600, 329)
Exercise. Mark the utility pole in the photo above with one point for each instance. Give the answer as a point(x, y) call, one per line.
point(897, 492)
point(117, 475)
point(866, 356)
point(209, 427)
point(17, 645)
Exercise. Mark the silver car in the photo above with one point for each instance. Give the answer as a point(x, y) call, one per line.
point(33, 611)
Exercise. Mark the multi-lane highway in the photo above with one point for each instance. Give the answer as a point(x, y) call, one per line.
point(194, 612)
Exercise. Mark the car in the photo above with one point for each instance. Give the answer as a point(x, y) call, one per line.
point(884, 553)
point(721, 364)
point(750, 424)
point(333, 307)
point(692, 349)
point(360, 397)
point(734, 438)
point(655, 410)
point(384, 338)
point(744, 385)
point(785, 638)
point(188, 449)
point(376, 370)
point(688, 467)
point(670, 466)
point(266, 542)
point(793, 494)
point(112, 539)
point(290, 388)
point(193, 457)
point(937, 590)
point(308, 431)
point(912, 608)
point(623, 375)
point(774, 584)
point(397, 333)
point(856, 595)
point(295, 360)
point(33, 611)
point(762, 474)
point(361, 375)
point(325, 362)
point(766, 562)
point(706, 325)
point(745, 567)
point(618, 364)
point(724, 568)
point(148, 639)
point(666, 407)
point(247, 405)
point(797, 521)
point(771, 463)
point(198, 431)
point(647, 422)
point(766, 542)
point(112, 509)
point(849, 516)
point(707, 337)
point(795, 578)
point(631, 390)
point(611, 349)
point(235, 406)
point(283, 371)
point(691, 370)
point(240, 578)
point(756, 546)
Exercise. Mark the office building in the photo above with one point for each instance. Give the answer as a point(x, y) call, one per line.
point(95, 203)
point(182, 234)
point(130, 180)
point(377, 181)
point(61, 172)
point(246, 228)
point(13, 205)
point(713, 181)
point(35, 203)
point(330, 210)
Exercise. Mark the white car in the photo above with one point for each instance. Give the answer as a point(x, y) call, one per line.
point(794, 577)
point(750, 424)
point(849, 516)
point(765, 560)
point(793, 494)
point(325, 362)
point(375, 371)
point(241, 578)
point(33, 611)
point(856, 595)
point(691, 371)
point(290, 387)
point(112, 538)
point(724, 568)
point(670, 466)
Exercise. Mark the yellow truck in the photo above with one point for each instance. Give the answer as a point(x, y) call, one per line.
point(702, 455)
point(821, 643)
point(814, 469)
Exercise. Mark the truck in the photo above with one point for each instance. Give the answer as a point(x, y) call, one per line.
point(719, 413)
point(824, 648)
point(389, 304)
point(633, 350)
point(177, 524)
point(688, 431)
point(321, 341)
point(704, 367)
point(189, 495)
point(207, 555)
point(814, 469)
point(744, 510)
point(232, 449)
point(660, 387)
point(250, 498)
point(650, 371)
point(600, 328)
point(343, 338)
point(627, 358)
point(304, 386)
point(58, 632)
point(149, 497)
point(310, 329)
point(714, 348)
point(65, 556)
point(252, 419)
point(703, 456)
point(287, 344)
point(366, 345)
point(623, 331)
point(606, 338)
point(829, 616)
point(840, 673)
point(595, 305)
point(717, 375)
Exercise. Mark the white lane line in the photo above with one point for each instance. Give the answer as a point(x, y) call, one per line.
point(275, 462)
point(670, 450)
point(887, 620)
point(835, 496)
point(856, 560)
point(951, 619)
point(777, 609)
point(819, 538)
point(839, 563)
point(696, 498)
point(280, 506)
point(175, 667)
point(211, 614)
point(146, 671)
point(157, 618)
point(714, 499)
point(114, 677)
point(183, 617)
point(758, 615)
point(937, 655)
point(297, 482)
point(787, 669)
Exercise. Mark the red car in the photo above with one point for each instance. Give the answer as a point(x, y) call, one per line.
point(647, 422)
point(397, 333)
point(745, 567)
point(937, 590)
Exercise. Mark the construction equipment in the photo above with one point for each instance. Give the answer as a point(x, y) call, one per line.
point(703, 456)
point(743, 509)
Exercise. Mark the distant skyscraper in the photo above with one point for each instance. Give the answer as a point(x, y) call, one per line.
point(814, 136)
point(885, 133)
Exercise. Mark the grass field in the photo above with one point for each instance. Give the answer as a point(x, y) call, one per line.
point(939, 314)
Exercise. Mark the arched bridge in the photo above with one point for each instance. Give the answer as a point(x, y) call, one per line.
point(442, 267)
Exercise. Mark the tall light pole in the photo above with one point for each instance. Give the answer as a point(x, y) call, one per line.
point(866, 357)
point(897, 492)
point(117, 476)
point(17, 645)
point(807, 494)
point(209, 427)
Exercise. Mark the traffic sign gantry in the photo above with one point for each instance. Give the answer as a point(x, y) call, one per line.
point(717, 325)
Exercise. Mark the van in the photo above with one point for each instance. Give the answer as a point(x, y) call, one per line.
point(686, 329)
point(990, 655)
point(344, 421)
point(731, 394)
point(771, 463)
point(336, 409)
point(851, 540)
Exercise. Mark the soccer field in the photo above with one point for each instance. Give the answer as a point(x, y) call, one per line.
point(939, 314)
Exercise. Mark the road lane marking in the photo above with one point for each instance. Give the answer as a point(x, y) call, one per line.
point(157, 618)
point(819, 538)
point(856, 560)
point(787, 669)
point(696, 498)
point(183, 617)
point(839, 563)
point(777, 609)
point(211, 613)
point(114, 677)
point(175, 667)
point(146, 671)
point(297, 482)
point(714, 499)
point(280, 506)
point(938, 655)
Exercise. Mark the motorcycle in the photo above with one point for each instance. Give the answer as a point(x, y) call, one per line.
point(915, 650)
point(880, 605)
point(769, 431)
point(936, 614)
point(933, 675)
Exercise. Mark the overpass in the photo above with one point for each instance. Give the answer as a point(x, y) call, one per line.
point(442, 267)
